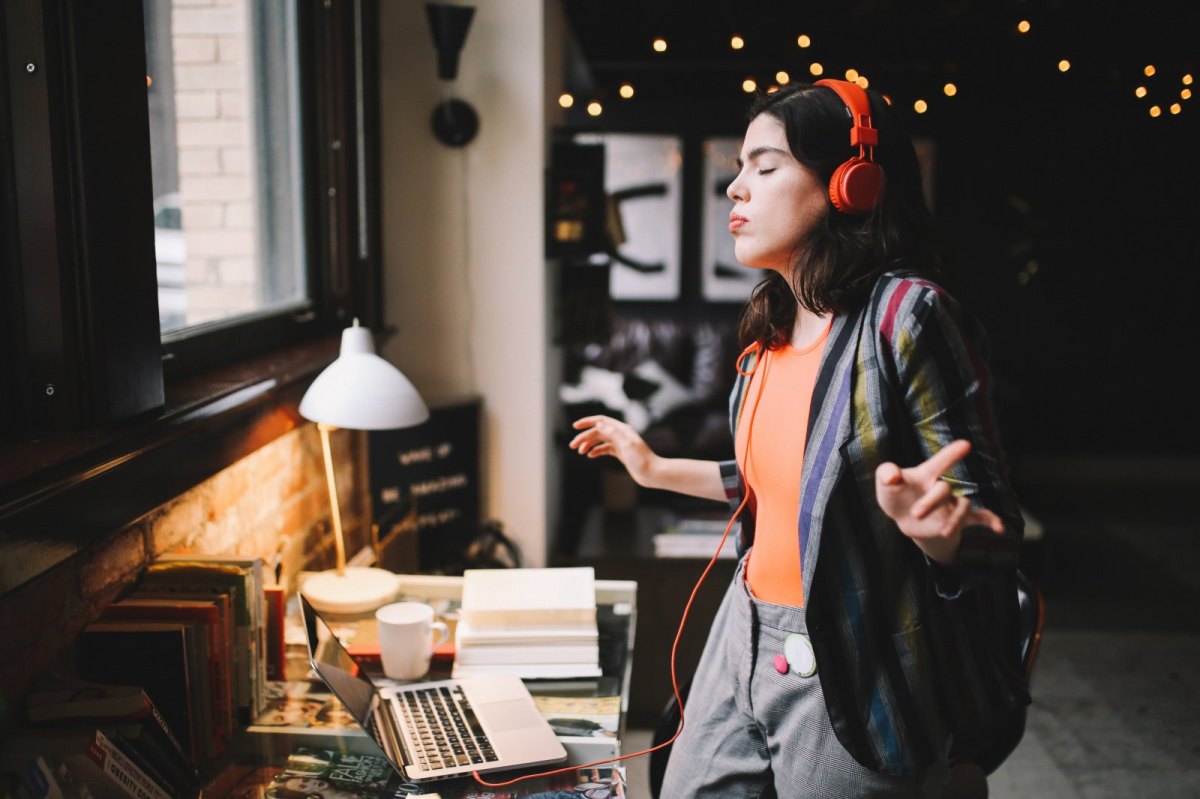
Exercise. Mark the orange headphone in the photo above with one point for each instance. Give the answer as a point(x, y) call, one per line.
point(857, 185)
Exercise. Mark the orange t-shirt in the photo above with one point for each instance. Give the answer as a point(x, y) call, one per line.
point(774, 424)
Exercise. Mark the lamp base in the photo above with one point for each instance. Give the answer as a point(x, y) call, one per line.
point(357, 591)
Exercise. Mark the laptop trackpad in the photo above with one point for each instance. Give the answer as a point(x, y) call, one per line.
point(513, 714)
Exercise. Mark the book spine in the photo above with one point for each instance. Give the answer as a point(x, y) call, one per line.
point(276, 653)
point(528, 654)
point(259, 604)
point(146, 759)
point(125, 773)
point(508, 621)
point(157, 724)
point(40, 779)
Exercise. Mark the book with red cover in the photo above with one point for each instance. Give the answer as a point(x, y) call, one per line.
point(276, 654)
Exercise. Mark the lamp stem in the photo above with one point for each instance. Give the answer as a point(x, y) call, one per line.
point(335, 511)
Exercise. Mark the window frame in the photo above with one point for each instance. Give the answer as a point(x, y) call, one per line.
point(125, 394)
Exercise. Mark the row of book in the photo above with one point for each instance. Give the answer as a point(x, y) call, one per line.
point(535, 623)
point(162, 683)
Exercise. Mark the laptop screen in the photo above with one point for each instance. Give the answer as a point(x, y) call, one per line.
point(338, 669)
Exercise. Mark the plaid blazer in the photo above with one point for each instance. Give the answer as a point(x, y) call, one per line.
point(908, 651)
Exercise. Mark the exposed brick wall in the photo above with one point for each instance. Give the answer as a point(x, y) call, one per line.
point(273, 503)
point(216, 156)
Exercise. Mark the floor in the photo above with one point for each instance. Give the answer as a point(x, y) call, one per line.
point(1116, 687)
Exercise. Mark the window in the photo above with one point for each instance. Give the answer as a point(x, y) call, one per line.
point(186, 184)
point(223, 94)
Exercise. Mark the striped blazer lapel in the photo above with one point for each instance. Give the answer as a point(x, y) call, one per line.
point(830, 424)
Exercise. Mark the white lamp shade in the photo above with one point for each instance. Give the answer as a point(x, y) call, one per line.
point(361, 391)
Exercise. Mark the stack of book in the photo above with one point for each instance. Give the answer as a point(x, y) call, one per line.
point(695, 537)
point(534, 623)
point(193, 635)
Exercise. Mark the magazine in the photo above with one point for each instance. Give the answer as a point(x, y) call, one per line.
point(325, 774)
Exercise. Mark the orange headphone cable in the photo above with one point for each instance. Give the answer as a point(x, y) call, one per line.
point(682, 621)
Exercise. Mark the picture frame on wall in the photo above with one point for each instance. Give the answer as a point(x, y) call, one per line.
point(722, 278)
point(643, 176)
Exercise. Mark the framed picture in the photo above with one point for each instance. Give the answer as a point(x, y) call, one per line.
point(643, 180)
point(722, 278)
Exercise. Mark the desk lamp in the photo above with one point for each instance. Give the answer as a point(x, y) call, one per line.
point(358, 391)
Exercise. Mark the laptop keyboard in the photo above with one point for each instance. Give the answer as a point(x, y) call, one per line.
point(444, 728)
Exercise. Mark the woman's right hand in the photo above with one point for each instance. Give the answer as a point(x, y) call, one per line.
point(604, 435)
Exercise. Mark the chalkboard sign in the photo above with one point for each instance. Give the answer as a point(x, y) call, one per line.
point(433, 468)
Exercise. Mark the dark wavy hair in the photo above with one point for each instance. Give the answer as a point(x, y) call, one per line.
point(844, 255)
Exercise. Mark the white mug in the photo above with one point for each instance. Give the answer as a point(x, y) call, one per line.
point(406, 638)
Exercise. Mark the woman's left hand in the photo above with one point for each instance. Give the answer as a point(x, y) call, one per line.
point(923, 506)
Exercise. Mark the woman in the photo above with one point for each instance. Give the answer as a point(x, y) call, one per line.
point(873, 610)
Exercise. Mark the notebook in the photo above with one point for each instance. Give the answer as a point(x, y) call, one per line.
point(436, 729)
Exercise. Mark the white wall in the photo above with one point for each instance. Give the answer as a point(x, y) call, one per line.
point(464, 269)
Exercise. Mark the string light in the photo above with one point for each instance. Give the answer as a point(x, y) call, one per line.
point(566, 100)
point(816, 69)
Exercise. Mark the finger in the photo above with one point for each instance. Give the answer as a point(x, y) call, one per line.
point(888, 474)
point(955, 519)
point(940, 462)
point(930, 499)
point(599, 450)
point(581, 439)
point(587, 421)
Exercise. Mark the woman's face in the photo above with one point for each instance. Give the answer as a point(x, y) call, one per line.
point(776, 199)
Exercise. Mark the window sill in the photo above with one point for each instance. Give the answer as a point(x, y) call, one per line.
point(60, 492)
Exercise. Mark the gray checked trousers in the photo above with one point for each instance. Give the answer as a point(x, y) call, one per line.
point(752, 732)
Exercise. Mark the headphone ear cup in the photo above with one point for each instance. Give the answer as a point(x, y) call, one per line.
point(856, 186)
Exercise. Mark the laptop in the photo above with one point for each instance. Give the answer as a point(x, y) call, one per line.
point(436, 729)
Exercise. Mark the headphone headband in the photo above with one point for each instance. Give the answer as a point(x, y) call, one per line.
point(859, 105)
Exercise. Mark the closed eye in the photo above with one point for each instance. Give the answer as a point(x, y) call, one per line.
point(766, 171)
